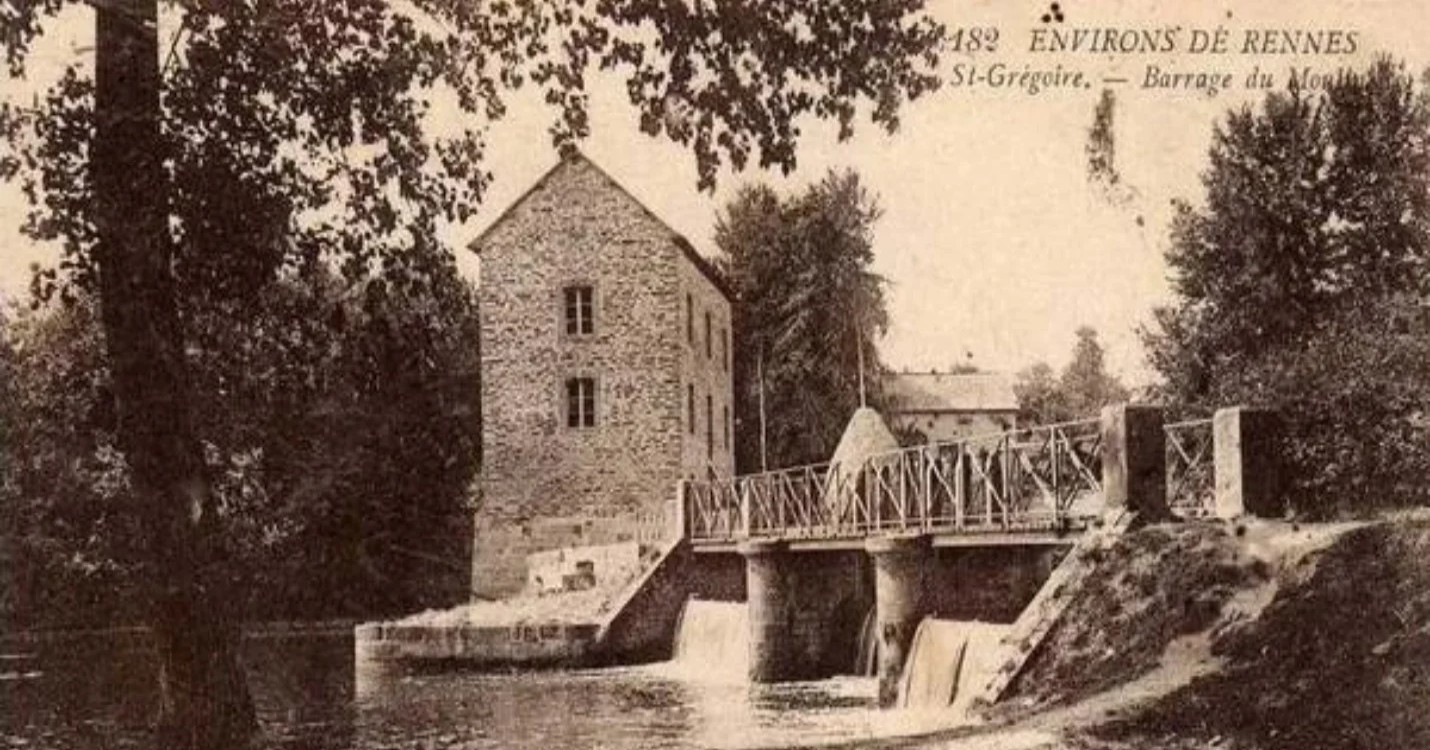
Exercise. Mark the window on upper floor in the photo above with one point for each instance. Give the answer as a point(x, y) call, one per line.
point(581, 402)
point(725, 348)
point(709, 427)
point(690, 407)
point(580, 310)
point(690, 319)
point(709, 345)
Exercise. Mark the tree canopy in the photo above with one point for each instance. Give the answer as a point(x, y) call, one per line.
point(295, 136)
point(808, 310)
point(1300, 283)
point(1083, 388)
point(1313, 202)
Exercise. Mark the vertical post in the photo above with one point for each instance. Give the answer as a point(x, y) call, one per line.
point(901, 466)
point(679, 519)
point(928, 458)
point(780, 497)
point(743, 491)
point(773, 653)
point(960, 487)
point(1134, 460)
point(1006, 464)
point(990, 492)
point(764, 452)
point(1247, 462)
point(1053, 433)
point(900, 564)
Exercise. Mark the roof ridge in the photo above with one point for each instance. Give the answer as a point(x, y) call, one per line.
point(701, 263)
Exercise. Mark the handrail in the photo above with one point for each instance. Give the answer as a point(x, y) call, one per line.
point(1191, 488)
point(1030, 477)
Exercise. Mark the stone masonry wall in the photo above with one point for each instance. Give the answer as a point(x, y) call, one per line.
point(832, 591)
point(990, 584)
point(545, 484)
point(705, 367)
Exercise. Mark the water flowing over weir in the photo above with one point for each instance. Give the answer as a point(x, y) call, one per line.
point(866, 655)
point(949, 662)
point(713, 640)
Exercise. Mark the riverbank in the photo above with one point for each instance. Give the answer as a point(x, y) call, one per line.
point(140, 633)
point(1255, 636)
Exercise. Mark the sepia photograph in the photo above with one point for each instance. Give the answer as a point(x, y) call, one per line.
point(737, 374)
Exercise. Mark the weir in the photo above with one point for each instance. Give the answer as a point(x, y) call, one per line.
point(866, 653)
point(949, 663)
point(713, 640)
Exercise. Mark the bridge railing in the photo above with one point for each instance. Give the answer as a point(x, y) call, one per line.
point(1191, 488)
point(1044, 477)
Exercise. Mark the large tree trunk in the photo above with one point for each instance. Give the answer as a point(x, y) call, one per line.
point(204, 701)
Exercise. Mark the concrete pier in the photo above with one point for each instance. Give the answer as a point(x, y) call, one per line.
point(900, 565)
point(1134, 465)
point(773, 650)
point(1247, 471)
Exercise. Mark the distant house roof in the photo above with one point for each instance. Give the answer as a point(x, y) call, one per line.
point(696, 259)
point(949, 392)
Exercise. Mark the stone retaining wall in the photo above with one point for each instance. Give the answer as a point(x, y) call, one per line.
point(474, 646)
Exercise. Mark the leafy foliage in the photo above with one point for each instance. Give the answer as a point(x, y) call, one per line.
point(297, 135)
point(1298, 282)
point(1081, 391)
point(806, 304)
point(1355, 400)
point(341, 436)
point(67, 541)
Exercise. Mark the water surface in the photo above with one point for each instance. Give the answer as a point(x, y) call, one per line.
point(97, 692)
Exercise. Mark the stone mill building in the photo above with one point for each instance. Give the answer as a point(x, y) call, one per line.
point(606, 372)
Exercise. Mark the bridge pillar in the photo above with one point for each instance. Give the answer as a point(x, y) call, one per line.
point(900, 565)
point(773, 650)
point(1246, 461)
point(1134, 460)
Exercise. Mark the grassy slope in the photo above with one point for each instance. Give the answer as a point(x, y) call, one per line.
point(1151, 587)
point(1340, 659)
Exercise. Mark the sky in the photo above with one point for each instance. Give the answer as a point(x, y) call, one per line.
point(995, 245)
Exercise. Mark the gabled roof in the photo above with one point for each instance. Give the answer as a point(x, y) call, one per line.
point(865, 436)
point(949, 392)
point(696, 259)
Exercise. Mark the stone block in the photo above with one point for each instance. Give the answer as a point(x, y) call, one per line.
point(1247, 462)
point(1134, 461)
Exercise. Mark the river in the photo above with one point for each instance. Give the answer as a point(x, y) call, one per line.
point(97, 691)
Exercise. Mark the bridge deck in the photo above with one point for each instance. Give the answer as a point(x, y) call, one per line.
point(1045, 538)
point(1060, 532)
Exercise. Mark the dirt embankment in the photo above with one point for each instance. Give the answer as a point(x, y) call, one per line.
point(1339, 659)
point(1148, 589)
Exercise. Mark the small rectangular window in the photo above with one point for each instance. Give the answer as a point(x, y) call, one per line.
point(581, 402)
point(709, 427)
point(709, 345)
point(690, 407)
point(580, 311)
point(690, 319)
point(725, 348)
point(726, 413)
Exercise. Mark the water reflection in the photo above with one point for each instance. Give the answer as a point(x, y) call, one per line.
point(98, 693)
